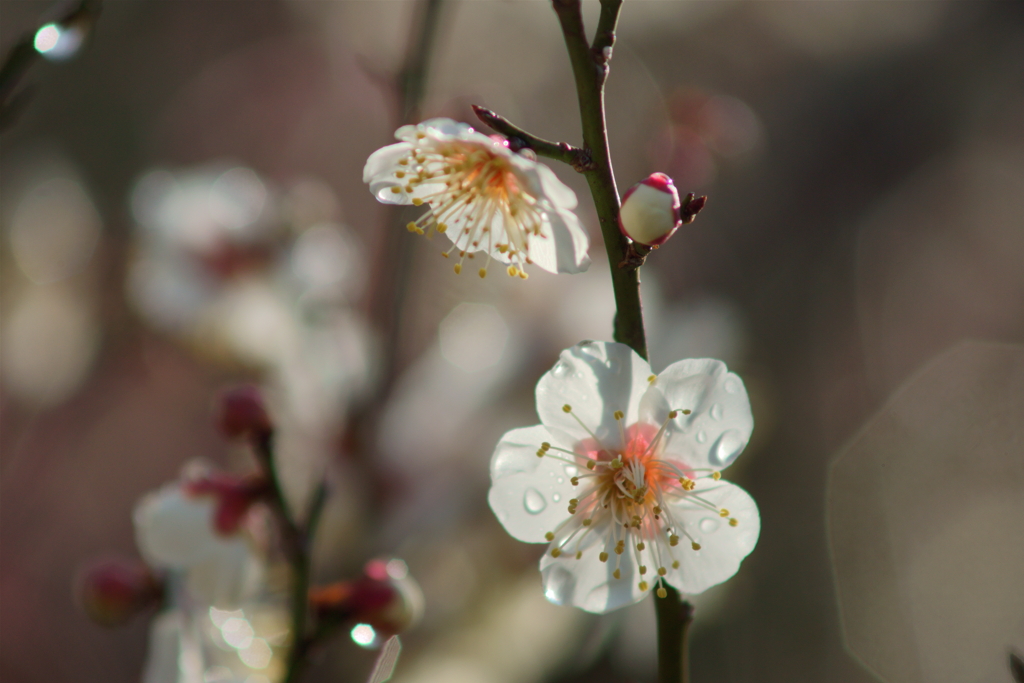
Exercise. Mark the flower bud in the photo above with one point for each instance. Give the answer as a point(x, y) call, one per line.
point(111, 592)
point(386, 597)
point(233, 497)
point(650, 210)
point(242, 413)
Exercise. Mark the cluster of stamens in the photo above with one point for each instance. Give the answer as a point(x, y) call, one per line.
point(475, 186)
point(625, 493)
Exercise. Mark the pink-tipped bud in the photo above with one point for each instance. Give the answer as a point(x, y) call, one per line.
point(386, 597)
point(111, 592)
point(233, 495)
point(242, 413)
point(650, 210)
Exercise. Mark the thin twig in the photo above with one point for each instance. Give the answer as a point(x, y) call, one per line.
point(520, 139)
point(590, 65)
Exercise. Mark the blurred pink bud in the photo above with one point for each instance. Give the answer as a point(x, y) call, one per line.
point(111, 592)
point(234, 496)
point(650, 210)
point(386, 597)
point(242, 413)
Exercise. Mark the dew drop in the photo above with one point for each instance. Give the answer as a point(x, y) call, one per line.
point(534, 502)
point(559, 584)
point(560, 480)
point(730, 444)
point(556, 497)
point(702, 436)
point(571, 470)
point(561, 369)
point(716, 411)
point(709, 524)
point(732, 385)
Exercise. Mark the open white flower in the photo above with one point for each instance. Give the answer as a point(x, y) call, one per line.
point(483, 196)
point(622, 477)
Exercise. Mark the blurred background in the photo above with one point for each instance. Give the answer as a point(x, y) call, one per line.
point(182, 208)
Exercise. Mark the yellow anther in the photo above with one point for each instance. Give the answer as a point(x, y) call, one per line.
point(572, 509)
point(416, 201)
point(540, 452)
point(399, 174)
point(643, 585)
point(410, 226)
point(579, 554)
point(686, 411)
point(716, 475)
point(567, 408)
point(483, 272)
point(549, 536)
point(420, 136)
point(575, 481)
point(643, 570)
point(523, 275)
point(591, 464)
point(723, 513)
point(441, 227)
point(662, 593)
point(458, 268)
point(512, 271)
point(408, 188)
point(396, 190)
point(673, 414)
point(673, 540)
point(657, 509)
point(502, 248)
point(444, 253)
point(640, 546)
point(619, 415)
point(403, 162)
point(556, 552)
point(574, 502)
point(662, 571)
point(733, 521)
point(687, 484)
point(652, 378)
point(617, 574)
point(696, 546)
point(603, 557)
point(675, 564)
point(619, 550)
point(587, 522)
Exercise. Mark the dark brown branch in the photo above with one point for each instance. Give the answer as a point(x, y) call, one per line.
point(520, 139)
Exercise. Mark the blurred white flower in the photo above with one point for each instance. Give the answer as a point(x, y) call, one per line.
point(226, 619)
point(636, 458)
point(482, 195)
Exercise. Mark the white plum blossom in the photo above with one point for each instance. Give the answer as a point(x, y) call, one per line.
point(483, 196)
point(622, 479)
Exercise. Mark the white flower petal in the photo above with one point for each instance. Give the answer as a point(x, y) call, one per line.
point(529, 495)
point(379, 173)
point(173, 530)
point(587, 582)
point(557, 192)
point(595, 379)
point(722, 546)
point(719, 426)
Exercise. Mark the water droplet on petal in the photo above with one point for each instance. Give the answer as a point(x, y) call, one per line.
point(556, 497)
point(560, 480)
point(730, 444)
point(702, 436)
point(732, 385)
point(709, 524)
point(571, 470)
point(561, 369)
point(716, 411)
point(534, 502)
point(559, 584)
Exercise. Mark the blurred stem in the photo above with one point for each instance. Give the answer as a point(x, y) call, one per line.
point(295, 542)
point(23, 55)
point(590, 64)
point(590, 69)
point(674, 616)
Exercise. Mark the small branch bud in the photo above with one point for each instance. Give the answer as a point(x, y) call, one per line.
point(243, 414)
point(691, 207)
point(111, 592)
